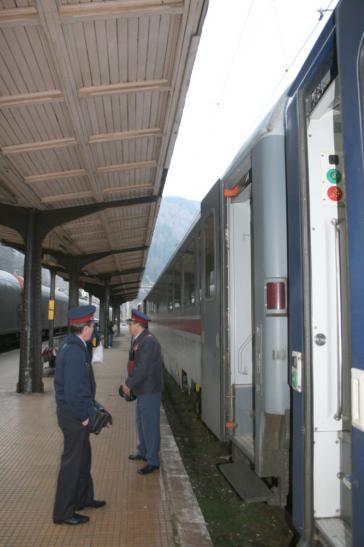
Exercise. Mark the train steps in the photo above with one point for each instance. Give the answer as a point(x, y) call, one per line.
point(245, 482)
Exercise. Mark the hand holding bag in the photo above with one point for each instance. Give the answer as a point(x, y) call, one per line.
point(101, 419)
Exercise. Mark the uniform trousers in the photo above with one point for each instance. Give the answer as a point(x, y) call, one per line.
point(74, 485)
point(148, 426)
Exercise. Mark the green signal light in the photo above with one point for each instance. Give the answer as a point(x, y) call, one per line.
point(294, 379)
point(334, 176)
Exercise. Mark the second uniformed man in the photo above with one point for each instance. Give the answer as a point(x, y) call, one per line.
point(146, 382)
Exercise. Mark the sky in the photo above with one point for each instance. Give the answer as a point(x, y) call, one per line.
point(250, 50)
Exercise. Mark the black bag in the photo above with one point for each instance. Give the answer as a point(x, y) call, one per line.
point(128, 398)
point(101, 419)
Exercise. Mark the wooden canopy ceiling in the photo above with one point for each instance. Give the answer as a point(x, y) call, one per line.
point(91, 96)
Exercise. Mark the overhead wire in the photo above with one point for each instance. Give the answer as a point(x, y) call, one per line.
point(240, 39)
point(241, 35)
point(280, 33)
point(287, 69)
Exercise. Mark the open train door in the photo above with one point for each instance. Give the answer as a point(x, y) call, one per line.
point(350, 43)
point(211, 306)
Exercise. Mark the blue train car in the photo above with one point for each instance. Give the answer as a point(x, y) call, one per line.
point(325, 198)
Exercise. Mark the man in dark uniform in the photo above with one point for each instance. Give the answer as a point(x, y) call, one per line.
point(75, 389)
point(146, 382)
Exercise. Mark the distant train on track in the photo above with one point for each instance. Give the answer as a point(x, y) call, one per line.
point(260, 312)
point(11, 289)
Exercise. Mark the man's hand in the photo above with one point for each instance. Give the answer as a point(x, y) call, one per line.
point(85, 423)
point(126, 390)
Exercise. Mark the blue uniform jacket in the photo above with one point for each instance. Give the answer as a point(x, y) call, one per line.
point(147, 376)
point(74, 379)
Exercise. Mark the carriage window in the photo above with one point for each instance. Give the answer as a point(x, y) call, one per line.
point(177, 283)
point(156, 303)
point(189, 272)
point(209, 257)
point(163, 295)
point(361, 87)
point(170, 290)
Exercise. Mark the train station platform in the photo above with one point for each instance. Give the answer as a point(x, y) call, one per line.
point(157, 510)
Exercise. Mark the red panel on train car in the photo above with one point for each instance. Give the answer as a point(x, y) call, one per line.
point(276, 295)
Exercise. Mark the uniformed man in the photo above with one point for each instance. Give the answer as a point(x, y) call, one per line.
point(146, 382)
point(75, 389)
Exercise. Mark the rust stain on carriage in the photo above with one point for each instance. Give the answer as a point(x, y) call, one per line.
point(187, 325)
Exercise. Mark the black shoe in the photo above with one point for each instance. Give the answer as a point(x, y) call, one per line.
point(75, 519)
point(95, 504)
point(147, 469)
point(136, 457)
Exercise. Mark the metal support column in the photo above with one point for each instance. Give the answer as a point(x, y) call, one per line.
point(30, 364)
point(101, 314)
point(117, 315)
point(106, 304)
point(74, 284)
point(52, 307)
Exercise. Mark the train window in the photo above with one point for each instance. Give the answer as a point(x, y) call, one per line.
point(177, 273)
point(170, 290)
point(210, 256)
point(198, 267)
point(189, 273)
point(156, 302)
point(361, 87)
point(163, 295)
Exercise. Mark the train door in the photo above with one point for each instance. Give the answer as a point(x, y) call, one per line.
point(329, 314)
point(257, 266)
point(240, 321)
point(350, 40)
point(211, 295)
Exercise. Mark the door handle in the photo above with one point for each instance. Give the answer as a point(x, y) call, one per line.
point(339, 409)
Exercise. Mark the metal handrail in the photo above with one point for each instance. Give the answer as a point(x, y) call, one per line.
point(339, 409)
point(246, 342)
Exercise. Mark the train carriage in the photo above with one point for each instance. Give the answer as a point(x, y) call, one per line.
point(11, 289)
point(174, 305)
point(277, 354)
point(238, 255)
point(11, 295)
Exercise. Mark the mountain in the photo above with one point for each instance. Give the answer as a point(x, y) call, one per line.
point(175, 217)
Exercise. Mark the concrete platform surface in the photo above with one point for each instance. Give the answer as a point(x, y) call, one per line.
point(158, 510)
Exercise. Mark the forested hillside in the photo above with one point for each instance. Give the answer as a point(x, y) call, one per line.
point(175, 217)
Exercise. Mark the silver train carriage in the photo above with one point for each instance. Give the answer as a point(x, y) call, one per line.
point(225, 287)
